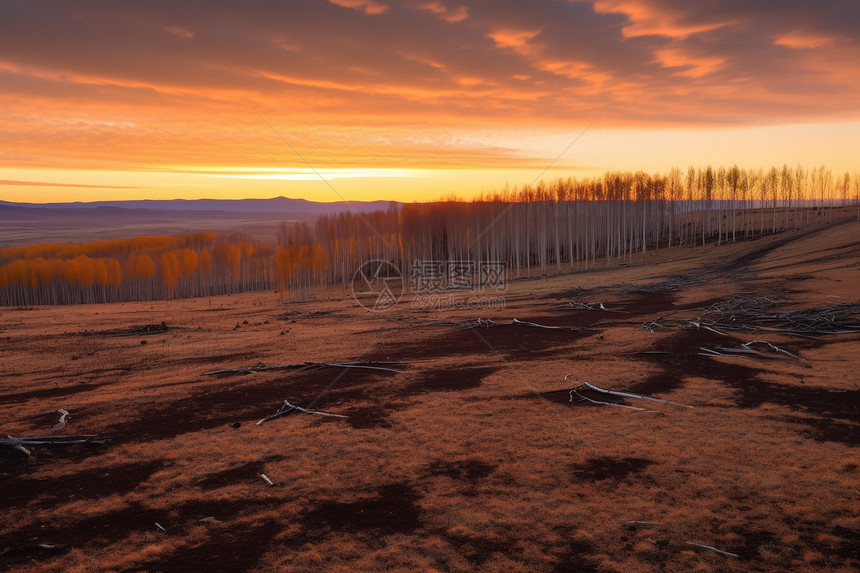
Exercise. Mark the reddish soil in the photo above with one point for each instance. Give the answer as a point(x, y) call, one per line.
point(473, 456)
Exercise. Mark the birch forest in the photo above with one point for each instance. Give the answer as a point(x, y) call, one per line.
point(138, 268)
point(564, 226)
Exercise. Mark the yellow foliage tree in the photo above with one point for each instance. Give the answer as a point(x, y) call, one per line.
point(170, 270)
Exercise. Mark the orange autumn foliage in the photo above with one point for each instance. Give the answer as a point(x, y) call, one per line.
point(204, 260)
point(110, 248)
point(170, 270)
point(140, 265)
point(188, 261)
point(114, 272)
point(135, 268)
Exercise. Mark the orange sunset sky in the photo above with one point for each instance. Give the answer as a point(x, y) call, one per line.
point(413, 99)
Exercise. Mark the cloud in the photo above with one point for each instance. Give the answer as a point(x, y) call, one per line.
point(48, 184)
point(688, 64)
point(451, 15)
point(649, 18)
point(802, 41)
point(155, 82)
point(516, 39)
point(366, 6)
point(179, 31)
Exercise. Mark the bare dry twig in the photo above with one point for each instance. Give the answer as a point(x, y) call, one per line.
point(488, 322)
point(62, 423)
point(714, 549)
point(587, 386)
point(19, 443)
point(260, 367)
point(286, 409)
point(753, 315)
point(589, 306)
point(746, 350)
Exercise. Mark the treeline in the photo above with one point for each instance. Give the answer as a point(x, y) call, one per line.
point(569, 224)
point(137, 268)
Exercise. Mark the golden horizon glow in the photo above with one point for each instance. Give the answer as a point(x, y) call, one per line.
point(143, 102)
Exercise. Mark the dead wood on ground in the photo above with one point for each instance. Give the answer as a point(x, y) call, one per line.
point(585, 386)
point(19, 443)
point(589, 306)
point(714, 549)
point(260, 367)
point(753, 315)
point(62, 423)
point(286, 409)
point(488, 322)
point(136, 330)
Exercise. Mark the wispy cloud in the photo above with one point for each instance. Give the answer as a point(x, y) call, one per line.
point(306, 174)
point(153, 83)
point(366, 6)
point(51, 184)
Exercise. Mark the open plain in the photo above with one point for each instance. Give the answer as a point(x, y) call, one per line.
point(466, 451)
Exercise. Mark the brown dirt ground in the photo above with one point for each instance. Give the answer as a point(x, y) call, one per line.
point(472, 458)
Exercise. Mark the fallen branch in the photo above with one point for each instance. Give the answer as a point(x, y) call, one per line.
point(746, 350)
point(488, 322)
point(19, 443)
point(653, 325)
point(643, 523)
point(593, 388)
point(708, 352)
point(631, 395)
point(137, 330)
point(773, 347)
point(287, 409)
point(714, 549)
point(607, 322)
point(663, 286)
point(536, 325)
point(589, 306)
point(601, 403)
point(260, 367)
point(62, 423)
point(366, 365)
point(700, 324)
point(752, 315)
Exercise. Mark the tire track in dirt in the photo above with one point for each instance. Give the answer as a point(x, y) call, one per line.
point(777, 241)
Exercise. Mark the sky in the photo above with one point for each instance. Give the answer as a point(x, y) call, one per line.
point(413, 100)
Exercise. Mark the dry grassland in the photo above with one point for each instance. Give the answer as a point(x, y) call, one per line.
point(473, 457)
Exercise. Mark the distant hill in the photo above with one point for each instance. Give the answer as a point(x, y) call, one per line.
point(30, 223)
point(283, 205)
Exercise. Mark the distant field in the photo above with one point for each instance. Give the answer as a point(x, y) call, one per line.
point(473, 457)
point(28, 226)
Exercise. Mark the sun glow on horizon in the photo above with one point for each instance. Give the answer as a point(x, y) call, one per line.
point(532, 156)
point(143, 102)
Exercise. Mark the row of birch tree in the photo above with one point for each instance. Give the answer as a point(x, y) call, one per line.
point(137, 268)
point(569, 224)
point(561, 226)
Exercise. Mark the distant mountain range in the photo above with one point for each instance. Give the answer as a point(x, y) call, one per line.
point(275, 205)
